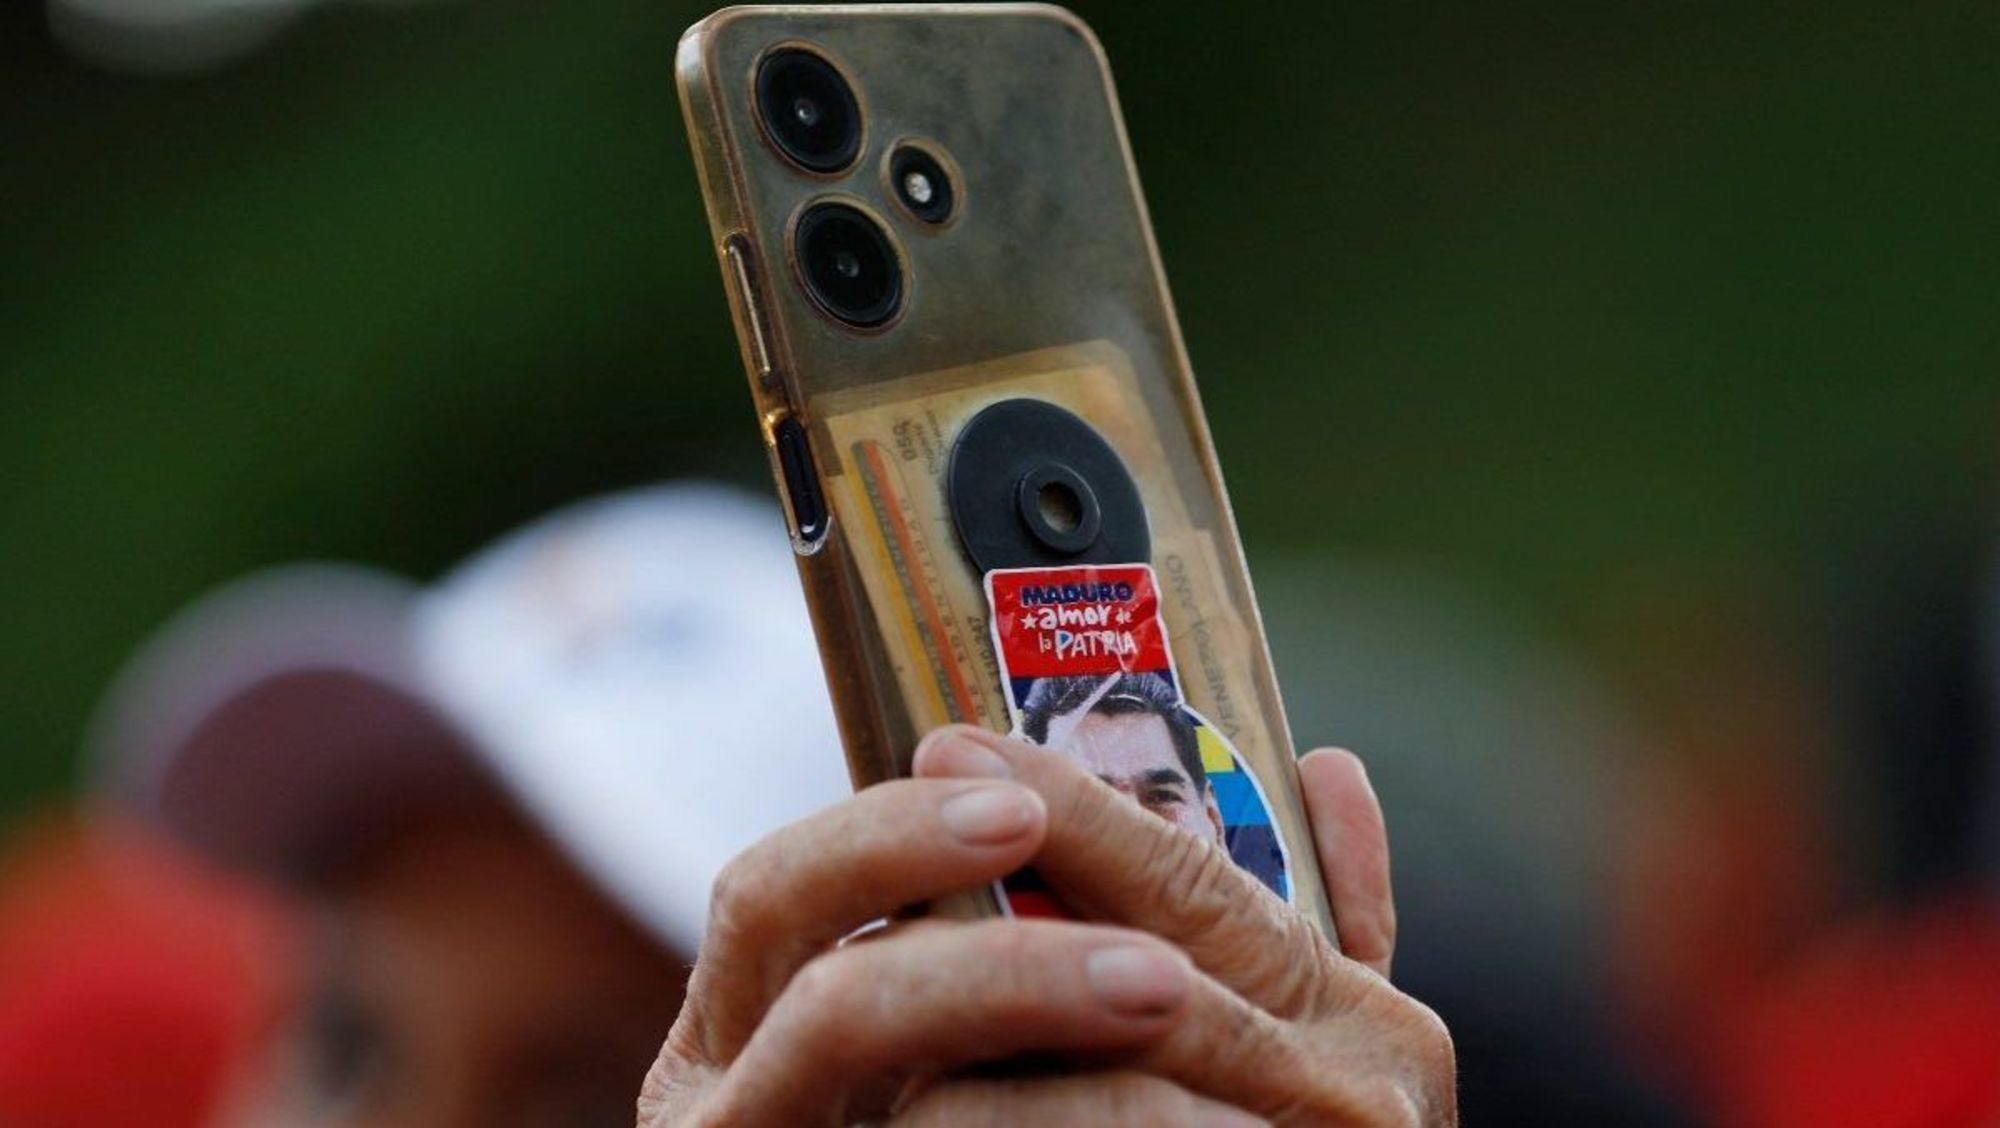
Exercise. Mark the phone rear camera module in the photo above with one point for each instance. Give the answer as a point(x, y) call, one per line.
point(848, 265)
point(808, 110)
point(922, 184)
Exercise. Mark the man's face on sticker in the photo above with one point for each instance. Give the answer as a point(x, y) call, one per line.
point(1134, 752)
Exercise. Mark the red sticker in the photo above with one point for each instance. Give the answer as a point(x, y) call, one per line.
point(1057, 622)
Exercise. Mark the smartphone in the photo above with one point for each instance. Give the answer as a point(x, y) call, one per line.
point(1000, 486)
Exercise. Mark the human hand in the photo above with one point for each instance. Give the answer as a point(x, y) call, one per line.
point(1224, 1006)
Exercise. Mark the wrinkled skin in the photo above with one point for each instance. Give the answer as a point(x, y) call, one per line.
point(1200, 998)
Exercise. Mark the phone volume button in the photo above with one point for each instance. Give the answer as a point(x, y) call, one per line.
point(803, 496)
point(742, 277)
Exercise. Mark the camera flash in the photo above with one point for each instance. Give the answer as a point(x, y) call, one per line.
point(920, 183)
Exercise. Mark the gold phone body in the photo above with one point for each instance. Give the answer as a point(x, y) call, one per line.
point(1045, 282)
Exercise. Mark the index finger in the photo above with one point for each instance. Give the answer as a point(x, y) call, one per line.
point(1110, 860)
point(795, 892)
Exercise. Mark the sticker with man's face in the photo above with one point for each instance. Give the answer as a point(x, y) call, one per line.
point(1087, 670)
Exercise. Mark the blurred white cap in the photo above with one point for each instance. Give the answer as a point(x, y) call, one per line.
point(637, 673)
point(172, 37)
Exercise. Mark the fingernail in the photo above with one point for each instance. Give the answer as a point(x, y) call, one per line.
point(1209, 1114)
point(955, 755)
point(1137, 979)
point(985, 816)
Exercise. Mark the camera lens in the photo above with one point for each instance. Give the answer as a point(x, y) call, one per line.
point(848, 264)
point(921, 183)
point(809, 110)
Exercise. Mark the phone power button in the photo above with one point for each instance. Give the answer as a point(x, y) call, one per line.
point(741, 277)
point(803, 496)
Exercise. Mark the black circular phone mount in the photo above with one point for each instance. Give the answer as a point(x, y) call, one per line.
point(1033, 486)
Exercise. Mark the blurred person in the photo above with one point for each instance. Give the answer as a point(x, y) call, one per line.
point(1131, 732)
point(1811, 934)
point(137, 985)
point(505, 800)
point(1887, 1012)
point(1728, 857)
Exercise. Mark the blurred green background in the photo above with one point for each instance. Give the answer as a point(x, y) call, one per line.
point(1608, 395)
point(1561, 299)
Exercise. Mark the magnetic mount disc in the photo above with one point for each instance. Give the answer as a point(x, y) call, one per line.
point(1033, 486)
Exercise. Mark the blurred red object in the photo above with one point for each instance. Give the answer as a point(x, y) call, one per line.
point(136, 986)
point(1893, 1024)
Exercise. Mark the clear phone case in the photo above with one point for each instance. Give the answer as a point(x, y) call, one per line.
point(1043, 284)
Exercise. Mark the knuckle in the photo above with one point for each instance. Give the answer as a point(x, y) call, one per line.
point(1413, 1078)
point(1236, 1038)
point(687, 1040)
point(1297, 1083)
point(673, 1086)
point(1433, 1037)
point(1373, 1102)
point(1302, 969)
point(1081, 805)
point(1216, 900)
point(654, 1093)
point(1195, 872)
point(735, 899)
point(830, 1009)
point(1435, 1059)
point(827, 984)
point(1376, 1103)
